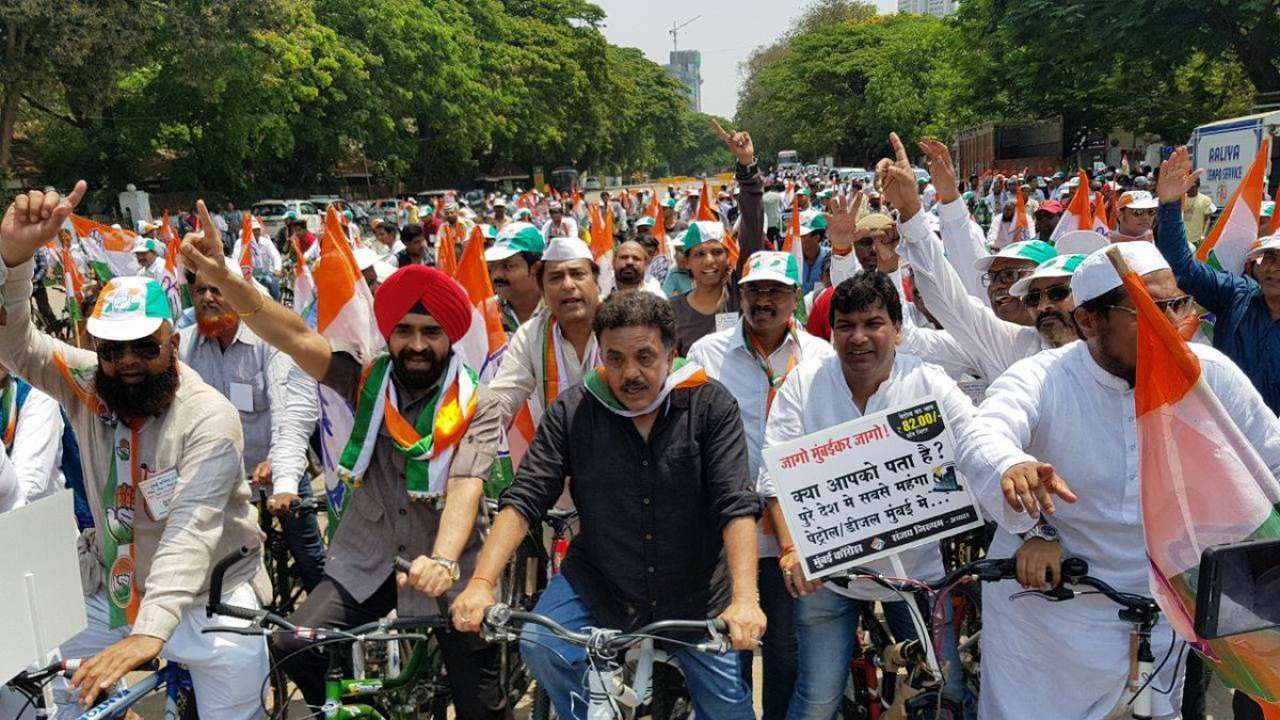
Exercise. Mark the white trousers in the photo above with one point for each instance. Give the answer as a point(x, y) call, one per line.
point(227, 671)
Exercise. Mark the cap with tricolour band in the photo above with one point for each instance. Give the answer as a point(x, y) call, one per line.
point(770, 266)
point(128, 308)
point(1060, 266)
point(1033, 250)
point(702, 231)
point(645, 221)
point(516, 237)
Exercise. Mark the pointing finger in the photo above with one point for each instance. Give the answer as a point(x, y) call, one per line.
point(206, 222)
point(898, 150)
point(719, 130)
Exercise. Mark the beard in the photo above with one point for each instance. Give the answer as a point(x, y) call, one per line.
point(148, 398)
point(216, 324)
point(416, 379)
point(1059, 333)
point(628, 275)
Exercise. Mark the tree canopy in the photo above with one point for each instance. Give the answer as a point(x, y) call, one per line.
point(238, 96)
point(841, 78)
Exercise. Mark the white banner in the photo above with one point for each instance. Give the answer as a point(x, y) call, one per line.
point(871, 487)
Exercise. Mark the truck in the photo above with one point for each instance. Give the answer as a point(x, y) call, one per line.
point(1009, 147)
point(1226, 148)
point(788, 160)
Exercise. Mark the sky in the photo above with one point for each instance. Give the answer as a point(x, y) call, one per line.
point(726, 34)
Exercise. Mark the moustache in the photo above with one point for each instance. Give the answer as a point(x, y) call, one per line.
point(1048, 315)
point(634, 386)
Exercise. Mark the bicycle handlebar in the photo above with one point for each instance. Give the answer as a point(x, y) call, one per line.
point(985, 570)
point(500, 617)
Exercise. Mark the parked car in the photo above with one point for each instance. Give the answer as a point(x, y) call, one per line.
point(273, 214)
point(384, 209)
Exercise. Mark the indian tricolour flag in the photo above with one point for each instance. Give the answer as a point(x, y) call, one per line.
point(175, 274)
point(1079, 214)
point(109, 250)
point(344, 313)
point(1237, 229)
point(1202, 484)
point(304, 287)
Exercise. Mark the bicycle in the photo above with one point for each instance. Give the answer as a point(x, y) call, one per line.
point(523, 579)
point(1142, 613)
point(387, 687)
point(874, 692)
point(619, 681)
point(286, 581)
point(171, 678)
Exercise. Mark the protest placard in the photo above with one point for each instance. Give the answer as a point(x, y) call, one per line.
point(871, 487)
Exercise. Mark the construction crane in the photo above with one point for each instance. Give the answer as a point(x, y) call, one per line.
point(675, 31)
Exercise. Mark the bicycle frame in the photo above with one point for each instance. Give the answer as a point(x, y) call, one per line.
point(172, 677)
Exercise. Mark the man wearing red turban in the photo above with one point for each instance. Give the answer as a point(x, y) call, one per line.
point(413, 405)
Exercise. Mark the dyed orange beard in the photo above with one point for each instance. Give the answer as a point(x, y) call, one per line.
point(216, 326)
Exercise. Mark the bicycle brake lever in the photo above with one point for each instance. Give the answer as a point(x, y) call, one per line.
point(1057, 594)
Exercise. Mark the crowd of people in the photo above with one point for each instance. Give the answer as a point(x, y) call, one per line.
point(654, 372)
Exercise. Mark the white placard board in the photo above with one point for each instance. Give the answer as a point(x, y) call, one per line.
point(42, 605)
point(870, 488)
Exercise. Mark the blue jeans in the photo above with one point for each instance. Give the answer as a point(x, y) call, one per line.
point(778, 646)
point(826, 630)
point(302, 535)
point(714, 681)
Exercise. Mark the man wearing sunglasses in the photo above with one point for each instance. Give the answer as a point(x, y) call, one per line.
point(161, 453)
point(1068, 416)
point(997, 335)
point(1136, 217)
point(1046, 293)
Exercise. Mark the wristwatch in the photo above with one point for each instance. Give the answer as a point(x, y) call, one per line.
point(455, 571)
point(1043, 531)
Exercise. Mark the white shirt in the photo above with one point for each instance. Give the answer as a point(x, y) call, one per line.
point(816, 396)
point(37, 448)
point(155, 270)
point(520, 377)
point(278, 403)
point(726, 357)
point(264, 255)
point(568, 227)
point(10, 489)
point(1062, 408)
point(994, 344)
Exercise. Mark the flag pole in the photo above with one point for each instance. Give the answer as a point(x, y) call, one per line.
point(1117, 261)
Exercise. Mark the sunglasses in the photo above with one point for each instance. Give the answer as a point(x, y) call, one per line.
point(1177, 306)
point(1057, 293)
point(144, 349)
point(1005, 277)
point(1141, 213)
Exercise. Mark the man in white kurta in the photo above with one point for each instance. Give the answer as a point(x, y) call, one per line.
point(1064, 407)
point(815, 396)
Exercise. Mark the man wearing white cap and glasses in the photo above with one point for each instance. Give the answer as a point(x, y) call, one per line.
point(161, 452)
point(752, 359)
point(984, 332)
point(1137, 215)
point(512, 261)
point(1070, 414)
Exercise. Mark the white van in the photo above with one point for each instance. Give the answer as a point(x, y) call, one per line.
point(1226, 148)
